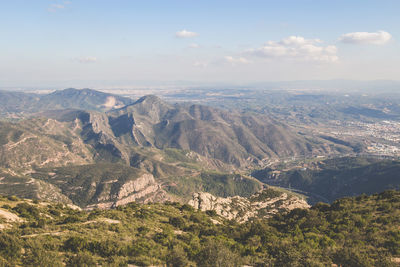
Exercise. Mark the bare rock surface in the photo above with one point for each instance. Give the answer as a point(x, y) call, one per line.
point(263, 204)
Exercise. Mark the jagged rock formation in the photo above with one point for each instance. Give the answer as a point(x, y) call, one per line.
point(261, 205)
point(144, 189)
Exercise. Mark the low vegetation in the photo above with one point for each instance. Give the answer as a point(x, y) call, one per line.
point(359, 231)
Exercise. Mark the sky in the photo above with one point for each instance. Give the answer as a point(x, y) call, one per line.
point(126, 42)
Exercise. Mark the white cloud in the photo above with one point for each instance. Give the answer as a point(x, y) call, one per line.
point(86, 59)
point(186, 34)
point(55, 7)
point(375, 38)
point(297, 48)
point(298, 40)
point(234, 61)
point(193, 45)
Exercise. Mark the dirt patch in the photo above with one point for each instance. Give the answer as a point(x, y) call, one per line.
point(5, 226)
point(11, 217)
point(396, 260)
point(106, 220)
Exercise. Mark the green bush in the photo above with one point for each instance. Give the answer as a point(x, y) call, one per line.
point(27, 211)
point(82, 259)
point(76, 244)
point(38, 256)
point(178, 222)
point(10, 246)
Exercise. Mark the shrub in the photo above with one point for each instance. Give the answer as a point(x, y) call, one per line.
point(106, 248)
point(27, 211)
point(211, 213)
point(178, 222)
point(71, 219)
point(12, 198)
point(38, 256)
point(82, 259)
point(10, 247)
point(187, 207)
point(216, 253)
point(177, 257)
point(76, 244)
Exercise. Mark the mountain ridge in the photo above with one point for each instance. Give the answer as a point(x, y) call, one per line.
point(22, 103)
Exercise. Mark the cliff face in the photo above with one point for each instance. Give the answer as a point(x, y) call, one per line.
point(143, 189)
point(261, 205)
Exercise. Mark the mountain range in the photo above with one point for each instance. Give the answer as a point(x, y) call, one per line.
point(233, 137)
point(100, 150)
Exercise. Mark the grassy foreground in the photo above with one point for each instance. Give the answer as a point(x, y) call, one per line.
point(360, 231)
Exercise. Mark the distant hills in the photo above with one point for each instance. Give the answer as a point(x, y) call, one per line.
point(339, 177)
point(86, 99)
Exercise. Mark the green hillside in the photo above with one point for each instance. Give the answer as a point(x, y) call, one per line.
point(360, 231)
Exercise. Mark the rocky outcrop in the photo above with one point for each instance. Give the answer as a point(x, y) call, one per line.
point(137, 185)
point(261, 205)
point(144, 189)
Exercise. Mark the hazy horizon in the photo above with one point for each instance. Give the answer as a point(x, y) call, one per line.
point(367, 86)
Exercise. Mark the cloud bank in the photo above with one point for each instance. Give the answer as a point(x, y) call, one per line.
point(296, 48)
point(375, 38)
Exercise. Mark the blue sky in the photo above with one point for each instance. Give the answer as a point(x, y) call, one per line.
point(75, 42)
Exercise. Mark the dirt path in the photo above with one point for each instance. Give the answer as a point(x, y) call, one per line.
point(111, 221)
